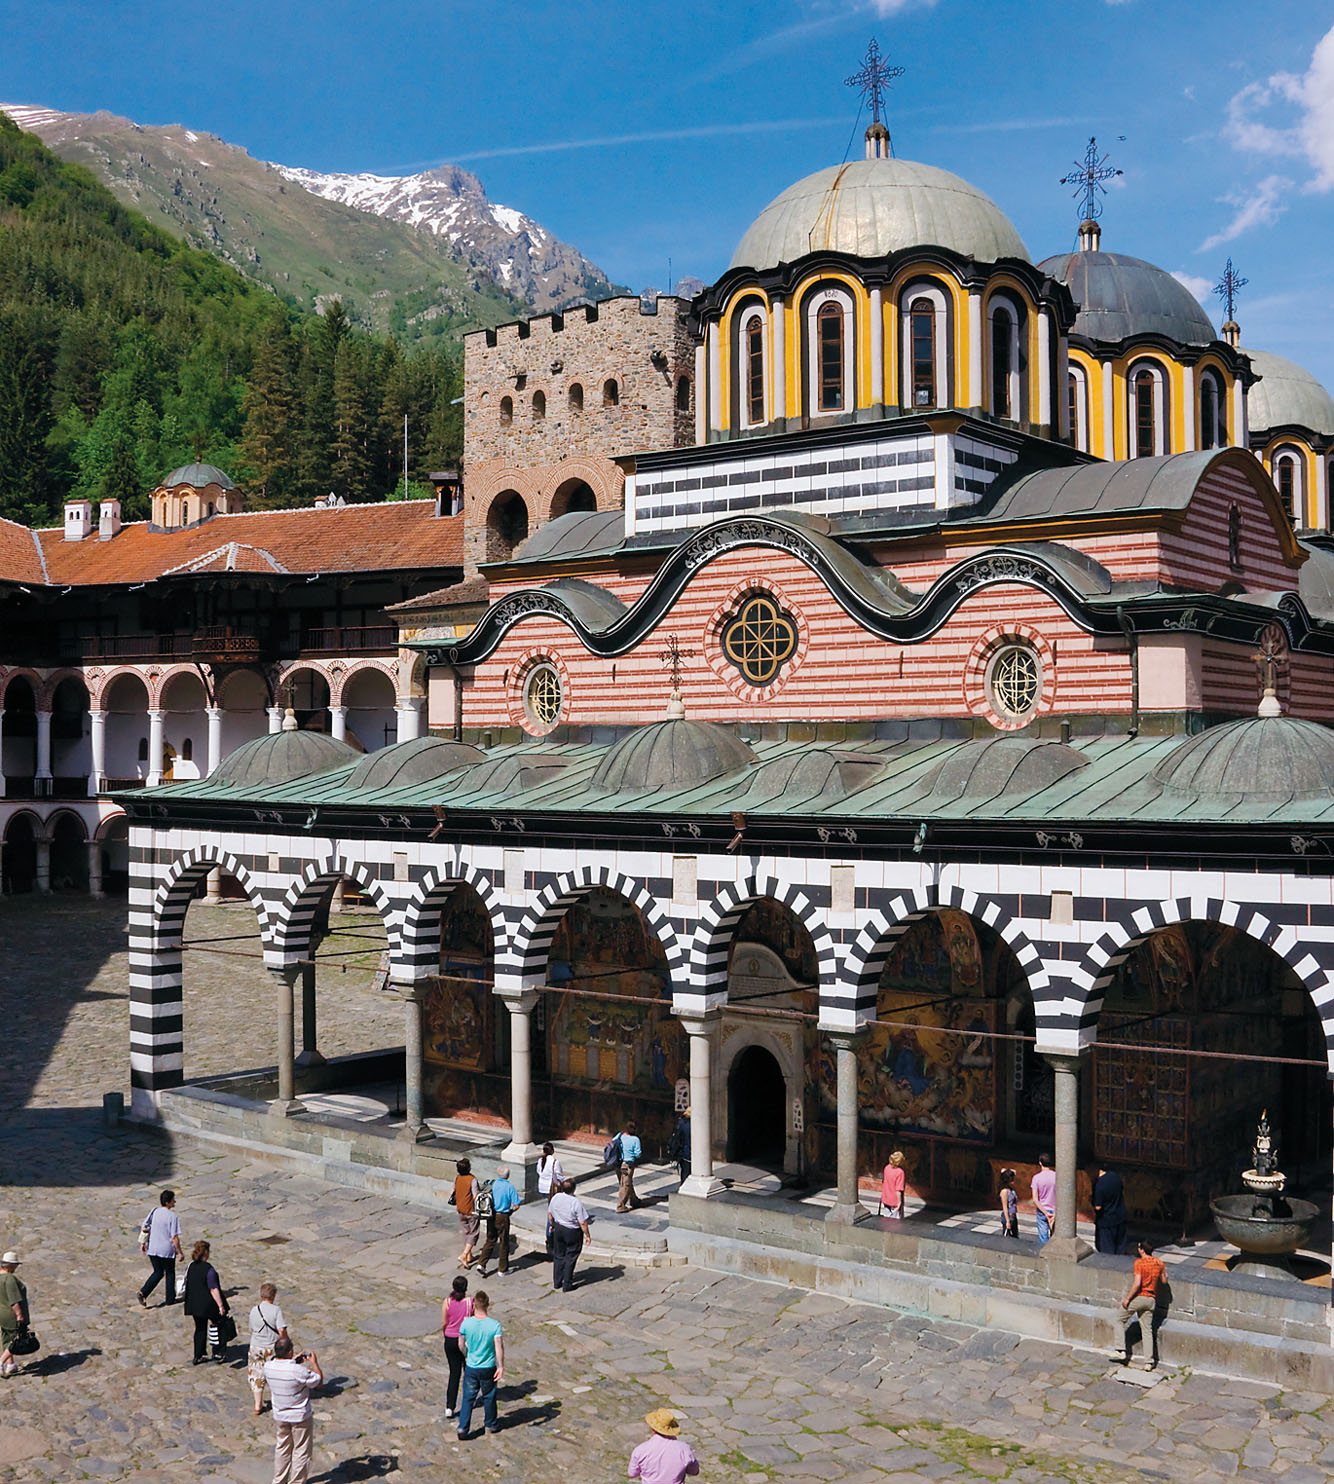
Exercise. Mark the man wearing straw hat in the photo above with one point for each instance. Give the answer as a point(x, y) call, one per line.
point(663, 1458)
point(13, 1310)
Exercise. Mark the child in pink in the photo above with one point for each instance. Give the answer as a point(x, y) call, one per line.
point(892, 1187)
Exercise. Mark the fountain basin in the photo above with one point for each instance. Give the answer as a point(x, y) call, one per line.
point(1266, 1240)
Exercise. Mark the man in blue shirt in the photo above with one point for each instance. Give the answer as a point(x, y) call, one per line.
point(632, 1151)
point(504, 1200)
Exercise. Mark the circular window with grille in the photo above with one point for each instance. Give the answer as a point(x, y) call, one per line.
point(760, 639)
point(542, 695)
point(1014, 682)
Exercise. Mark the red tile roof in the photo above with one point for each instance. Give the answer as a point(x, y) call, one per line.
point(474, 590)
point(398, 536)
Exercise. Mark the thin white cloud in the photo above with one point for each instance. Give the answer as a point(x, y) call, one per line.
point(1259, 206)
point(1006, 126)
point(892, 7)
point(1290, 116)
point(1200, 287)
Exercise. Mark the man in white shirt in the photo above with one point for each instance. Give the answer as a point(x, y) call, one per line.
point(569, 1229)
point(291, 1380)
point(160, 1241)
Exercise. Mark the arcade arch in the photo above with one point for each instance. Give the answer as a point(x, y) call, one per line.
point(368, 698)
point(243, 698)
point(71, 740)
point(20, 736)
point(125, 704)
point(184, 727)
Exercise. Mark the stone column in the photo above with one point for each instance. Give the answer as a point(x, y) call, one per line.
point(1064, 1244)
point(408, 713)
point(415, 1129)
point(338, 723)
point(213, 887)
point(285, 1104)
point(847, 1208)
point(155, 720)
point(43, 769)
point(275, 719)
point(310, 1052)
point(700, 1181)
point(214, 714)
point(98, 732)
point(43, 864)
point(521, 1006)
point(95, 870)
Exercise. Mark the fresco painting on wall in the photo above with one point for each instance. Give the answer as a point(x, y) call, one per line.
point(459, 1013)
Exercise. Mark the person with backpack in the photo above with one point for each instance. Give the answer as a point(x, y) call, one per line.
point(629, 1151)
point(504, 1201)
point(160, 1241)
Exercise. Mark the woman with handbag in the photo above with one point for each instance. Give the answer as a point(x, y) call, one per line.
point(14, 1329)
point(455, 1309)
point(206, 1304)
point(267, 1327)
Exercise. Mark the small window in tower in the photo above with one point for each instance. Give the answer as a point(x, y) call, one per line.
point(1287, 484)
point(829, 332)
point(1146, 420)
point(187, 749)
point(1002, 362)
point(683, 394)
point(755, 371)
point(539, 406)
point(1208, 413)
point(576, 397)
point(611, 393)
point(506, 411)
point(143, 749)
point(922, 316)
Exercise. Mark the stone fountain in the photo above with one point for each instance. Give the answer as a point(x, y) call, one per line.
point(1265, 1225)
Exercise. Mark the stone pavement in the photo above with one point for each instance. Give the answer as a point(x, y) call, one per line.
point(774, 1383)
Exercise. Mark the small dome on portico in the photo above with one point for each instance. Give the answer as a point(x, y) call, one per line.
point(1262, 758)
point(419, 761)
point(281, 756)
point(671, 754)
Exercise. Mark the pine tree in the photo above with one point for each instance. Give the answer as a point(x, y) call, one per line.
point(27, 354)
point(271, 432)
point(353, 424)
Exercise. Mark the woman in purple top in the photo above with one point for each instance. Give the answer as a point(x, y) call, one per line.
point(455, 1309)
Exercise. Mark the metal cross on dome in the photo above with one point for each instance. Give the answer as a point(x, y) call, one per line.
point(874, 79)
point(672, 656)
point(1228, 287)
point(1087, 178)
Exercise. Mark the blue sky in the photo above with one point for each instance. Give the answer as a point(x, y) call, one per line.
point(648, 131)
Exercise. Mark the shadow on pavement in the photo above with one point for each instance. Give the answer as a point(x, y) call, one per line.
point(69, 1147)
point(368, 1466)
point(583, 1277)
point(55, 1364)
point(527, 1416)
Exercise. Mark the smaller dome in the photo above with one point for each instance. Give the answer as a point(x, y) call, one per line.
point(280, 757)
point(1287, 396)
point(995, 766)
point(1120, 296)
point(197, 476)
point(1265, 759)
point(814, 777)
point(419, 761)
point(671, 754)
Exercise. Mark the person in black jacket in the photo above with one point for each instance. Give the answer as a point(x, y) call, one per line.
point(1110, 1217)
point(204, 1301)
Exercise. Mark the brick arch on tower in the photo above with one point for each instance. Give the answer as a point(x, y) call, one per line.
point(295, 915)
point(485, 484)
point(605, 479)
point(1104, 957)
point(859, 982)
point(524, 963)
point(712, 942)
point(422, 913)
point(46, 696)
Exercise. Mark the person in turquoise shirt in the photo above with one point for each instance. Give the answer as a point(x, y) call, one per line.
point(480, 1338)
point(632, 1151)
point(505, 1199)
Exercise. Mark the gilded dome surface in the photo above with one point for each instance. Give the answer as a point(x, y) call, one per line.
point(197, 476)
point(1266, 758)
point(1287, 396)
point(1119, 296)
point(671, 754)
point(280, 757)
point(871, 208)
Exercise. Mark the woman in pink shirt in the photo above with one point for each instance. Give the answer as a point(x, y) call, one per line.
point(664, 1458)
point(892, 1187)
point(455, 1309)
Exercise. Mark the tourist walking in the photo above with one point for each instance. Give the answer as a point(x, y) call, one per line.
point(483, 1365)
point(550, 1174)
point(663, 1458)
point(631, 1151)
point(569, 1231)
point(1044, 1198)
point(1009, 1205)
point(894, 1187)
point(13, 1311)
point(160, 1241)
point(205, 1302)
point(1110, 1217)
point(464, 1201)
point(1144, 1301)
point(267, 1327)
point(505, 1200)
point(678, 1149)
point(291, 1379)
point(455, 1309)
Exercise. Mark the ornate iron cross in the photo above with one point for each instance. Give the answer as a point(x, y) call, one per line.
point(873, 81)
point(1087, 178)
point(1228, 287)
point(672, 656)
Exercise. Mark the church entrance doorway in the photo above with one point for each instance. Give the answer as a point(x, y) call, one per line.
point(757, 1110)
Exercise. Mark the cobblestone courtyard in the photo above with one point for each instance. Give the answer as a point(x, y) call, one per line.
point(773, 1383)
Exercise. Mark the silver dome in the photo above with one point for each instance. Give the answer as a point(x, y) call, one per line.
point(1120, 296)
point(197, 476)
point(871, 208)
point(1287, 396)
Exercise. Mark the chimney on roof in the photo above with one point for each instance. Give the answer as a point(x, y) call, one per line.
point(108, 519)
point(78, 519)
point(448, 491)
